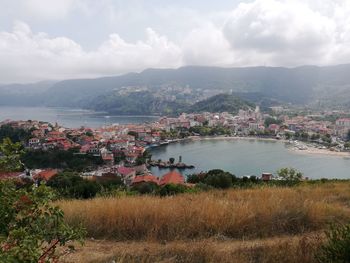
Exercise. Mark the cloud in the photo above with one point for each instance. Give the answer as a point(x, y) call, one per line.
point(26, 56)
point(261, 32)
point(288, 33)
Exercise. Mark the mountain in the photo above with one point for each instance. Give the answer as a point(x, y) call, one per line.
point(24, 94)
point(263, 85)
point(136, 103)
point(221, 103)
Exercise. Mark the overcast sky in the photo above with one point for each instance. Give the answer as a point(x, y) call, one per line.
point(60, 39)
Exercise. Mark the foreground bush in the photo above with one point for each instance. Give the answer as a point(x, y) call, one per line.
point(30, 227)
point(337, 247)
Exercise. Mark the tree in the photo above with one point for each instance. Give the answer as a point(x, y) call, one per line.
point(30, 226)
point(71, 185)
point(10, 156)
point(290, 174)
point(219, 179)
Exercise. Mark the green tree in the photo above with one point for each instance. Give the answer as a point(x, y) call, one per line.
point(31, 228)
point(71, 185)
point(10, 156)
point(290, 174)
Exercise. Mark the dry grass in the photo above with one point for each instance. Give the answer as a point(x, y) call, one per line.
point(252, 213)
point(295, 249)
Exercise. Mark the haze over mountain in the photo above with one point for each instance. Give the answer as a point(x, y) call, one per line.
point(300, 85)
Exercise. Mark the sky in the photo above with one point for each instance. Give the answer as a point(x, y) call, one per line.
point(63, 39)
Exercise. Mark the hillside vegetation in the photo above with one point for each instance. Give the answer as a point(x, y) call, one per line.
point(268, 224)
point(221, 103)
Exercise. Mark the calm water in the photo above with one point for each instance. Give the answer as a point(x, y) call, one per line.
point(71, 118)
point(250, 157)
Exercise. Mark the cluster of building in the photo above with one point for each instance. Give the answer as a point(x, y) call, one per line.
point(127, 143)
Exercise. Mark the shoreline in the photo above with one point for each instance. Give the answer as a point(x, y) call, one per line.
point(308, 151)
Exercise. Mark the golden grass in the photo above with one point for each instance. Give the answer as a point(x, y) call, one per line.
point(242, 214)
point(297, 249)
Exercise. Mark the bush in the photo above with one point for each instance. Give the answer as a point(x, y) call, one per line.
point(30, 226)
point(172, 189)
point(73, 186)
point(337, 247)
point(145, 188)
point(216, 178)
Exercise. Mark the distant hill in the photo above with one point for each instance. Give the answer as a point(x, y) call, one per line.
point(262, 85)
point(221, 103)
point(24, 94)
point(136, 103)
point(299, 85)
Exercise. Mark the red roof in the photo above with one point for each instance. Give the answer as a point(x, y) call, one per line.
point(149, 178)
point(125, 170)
point(172, 178)
point(46, 174)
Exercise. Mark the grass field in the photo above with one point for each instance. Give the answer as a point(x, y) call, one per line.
point(267, 224)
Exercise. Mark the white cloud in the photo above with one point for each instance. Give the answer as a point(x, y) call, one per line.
point(287, 32)
point(262, 32)
point(26, 56)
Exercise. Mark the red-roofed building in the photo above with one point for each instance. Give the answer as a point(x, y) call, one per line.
point(172, 178)
point(46, 174)
point(127, 174)
point(149, 178)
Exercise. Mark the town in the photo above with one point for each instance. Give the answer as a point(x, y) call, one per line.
point(123, 150)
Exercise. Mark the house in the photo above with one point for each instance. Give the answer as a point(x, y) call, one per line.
point(34, 142)
point(148, 178)
point(46, 174)
point(172, 177)
point(107, 156)
point(342, 127)
point(127, 174)
point(266, 177)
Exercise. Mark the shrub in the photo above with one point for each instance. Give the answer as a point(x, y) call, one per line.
point(216, 178)
point(146, 188)
point(30, 226)
point(73, 186)
point(172, 189)
point(337, 247)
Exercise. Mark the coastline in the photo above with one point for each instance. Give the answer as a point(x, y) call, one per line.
point(309, 150)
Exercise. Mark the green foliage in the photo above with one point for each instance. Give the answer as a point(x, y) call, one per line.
point(60, 159)
point(337, 247)
point(289, 174)
point(146, 188)
point(70, 185)
point(10, 155)
point(16, 135)
point(221, 103)
point(30, 226)
point(216, 178)
point(136, 103)
point(172, 189)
